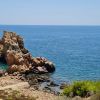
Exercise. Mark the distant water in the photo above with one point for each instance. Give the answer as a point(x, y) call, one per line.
point(75, 50)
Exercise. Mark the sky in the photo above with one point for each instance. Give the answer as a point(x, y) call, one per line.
point(50, 12)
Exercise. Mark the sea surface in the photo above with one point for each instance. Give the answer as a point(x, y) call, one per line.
point(75, 50)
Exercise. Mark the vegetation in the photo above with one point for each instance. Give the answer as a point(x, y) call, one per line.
point(82, 88)
point(14, 95)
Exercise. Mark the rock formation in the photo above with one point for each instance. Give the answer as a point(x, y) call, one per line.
point(19, 59)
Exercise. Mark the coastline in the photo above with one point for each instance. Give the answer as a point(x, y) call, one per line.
point(11, 83)
point(26, 73)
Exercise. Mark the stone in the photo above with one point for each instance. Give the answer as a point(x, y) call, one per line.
point(46, 66)
point(6, 74)
point(53, 84)
point(47, 89)
point(12, 69)
point(63, 85)
point(15, 74)
point(10, 58)
point(41, 70)
point(1, 73)
point(42, 79)
point(18, 58)
point(49, 66)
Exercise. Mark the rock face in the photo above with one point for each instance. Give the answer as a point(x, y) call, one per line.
point(19, 59)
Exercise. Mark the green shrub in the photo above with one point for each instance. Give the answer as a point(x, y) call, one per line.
point(82, 88)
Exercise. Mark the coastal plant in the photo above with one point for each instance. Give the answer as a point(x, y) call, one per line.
point(82, 88)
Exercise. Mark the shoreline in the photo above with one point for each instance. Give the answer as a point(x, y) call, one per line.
point(29, 75)
point(10, 83)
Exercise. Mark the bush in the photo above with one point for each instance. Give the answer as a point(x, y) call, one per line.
point(82, 88)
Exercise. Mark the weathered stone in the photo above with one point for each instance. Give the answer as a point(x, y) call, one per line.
point(19, 59)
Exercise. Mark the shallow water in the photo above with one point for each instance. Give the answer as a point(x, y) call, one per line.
point(75, 50)
point(3, 66)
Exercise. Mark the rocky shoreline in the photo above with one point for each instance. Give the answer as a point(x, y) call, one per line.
point(38, 82)
point(18, 83)
point(19, 59)
point(27, 74)
point(22, 66)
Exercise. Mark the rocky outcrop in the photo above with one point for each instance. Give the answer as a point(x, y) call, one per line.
point(19, 59)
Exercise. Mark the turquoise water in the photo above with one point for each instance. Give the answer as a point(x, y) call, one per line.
point(75, 50)
point(3, 66)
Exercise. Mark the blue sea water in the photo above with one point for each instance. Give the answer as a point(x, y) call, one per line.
point(75, 50)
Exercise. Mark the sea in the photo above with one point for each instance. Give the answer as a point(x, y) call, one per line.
point(75, 50)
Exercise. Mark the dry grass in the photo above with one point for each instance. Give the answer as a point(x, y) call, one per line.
point(14, 95)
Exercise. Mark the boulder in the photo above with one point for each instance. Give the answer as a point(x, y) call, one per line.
point(45, 65)
point(19, 59)
point(49, 66)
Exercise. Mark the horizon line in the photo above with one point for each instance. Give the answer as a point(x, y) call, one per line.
point(49, 25)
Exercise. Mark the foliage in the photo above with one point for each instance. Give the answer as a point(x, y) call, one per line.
point(82, 88)
point(14, 95)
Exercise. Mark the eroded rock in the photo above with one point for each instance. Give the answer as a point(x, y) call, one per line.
point(18, 57)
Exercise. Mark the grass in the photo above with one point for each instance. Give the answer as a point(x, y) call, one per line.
point(14, 95)
point(82, 88)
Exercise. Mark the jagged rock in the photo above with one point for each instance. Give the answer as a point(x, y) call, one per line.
point(19, 59)
point(47, 65)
